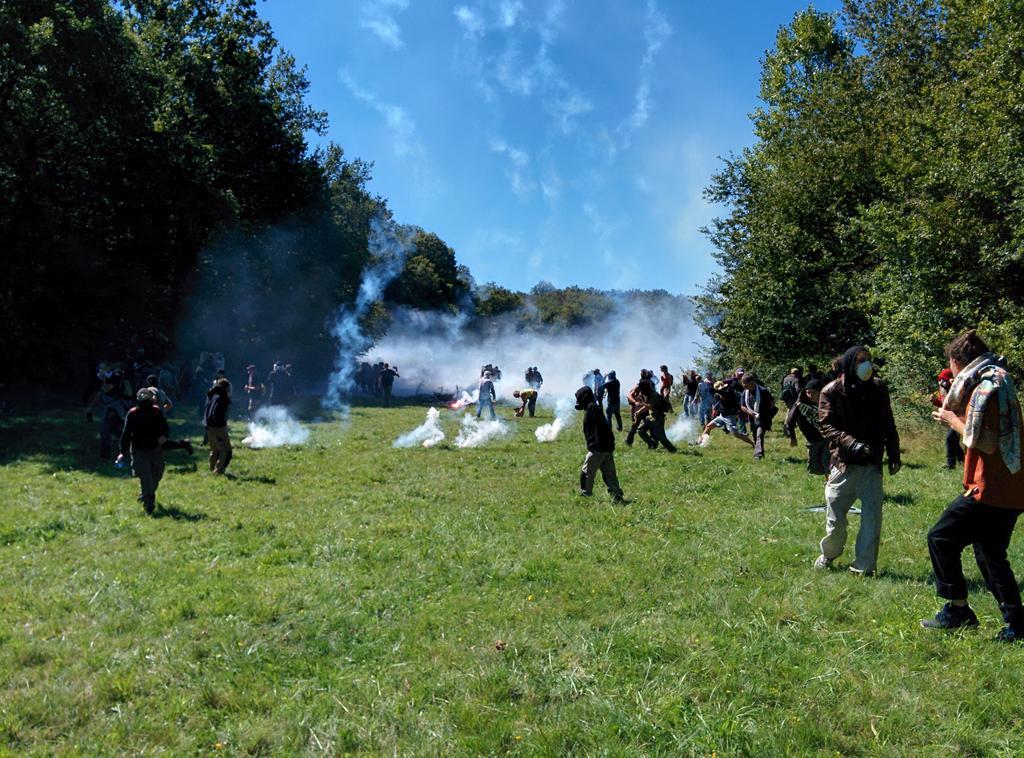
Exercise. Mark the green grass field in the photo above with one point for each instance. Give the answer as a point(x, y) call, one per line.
point(347, 597)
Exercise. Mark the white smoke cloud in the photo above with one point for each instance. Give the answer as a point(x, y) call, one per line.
point(684, 429)
point(427, 434)
point(564, 409)
point(438, 353)
point(475, 432)
point(274, 426)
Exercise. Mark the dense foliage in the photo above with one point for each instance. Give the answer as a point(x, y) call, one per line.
point(882, 200)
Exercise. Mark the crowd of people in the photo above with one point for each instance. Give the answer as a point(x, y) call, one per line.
point(845, 417)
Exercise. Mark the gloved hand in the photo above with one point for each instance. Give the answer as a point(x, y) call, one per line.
point(860, 452)
point(895, 464)
point(88, 417)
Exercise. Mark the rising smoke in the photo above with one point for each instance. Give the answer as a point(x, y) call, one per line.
point(389, 244)
point(427, 434)
point(564, 409)
point(475, 432)
point(274, 426)
point(683, 429)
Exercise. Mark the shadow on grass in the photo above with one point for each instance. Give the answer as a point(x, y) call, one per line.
point(258, 479)
point(900, 498)
point(173, 512)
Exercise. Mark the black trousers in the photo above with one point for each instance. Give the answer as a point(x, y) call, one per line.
point(968, 522)
point(613, 410)
point(954, 453)
point(652, 431)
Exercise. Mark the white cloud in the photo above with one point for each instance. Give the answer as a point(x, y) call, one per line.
point(378, 17)
point(509, 12)
point(519, 162)
point(471, 21)
point(404, 138)
point(656, 32)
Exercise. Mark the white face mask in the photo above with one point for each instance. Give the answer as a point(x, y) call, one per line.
point(865, 370)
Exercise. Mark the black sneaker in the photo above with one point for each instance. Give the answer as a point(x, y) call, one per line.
point(1010, 634)
point(951, 617)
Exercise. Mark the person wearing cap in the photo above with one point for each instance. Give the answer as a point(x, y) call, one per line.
point(725, 414)
point(803, 415)
point(145, 431)
point(856, 419)
point(218, 402)
point(529, 400)
point(486, 396)
point(954, 453)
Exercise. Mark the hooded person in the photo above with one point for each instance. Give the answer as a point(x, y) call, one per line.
point(145, 431)
point(611, 398)
point(600, 440)
point(218, 403)
point(856, 418)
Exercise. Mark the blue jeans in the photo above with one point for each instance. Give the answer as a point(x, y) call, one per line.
point(489, 405)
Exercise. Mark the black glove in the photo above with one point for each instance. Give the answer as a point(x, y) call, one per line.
point(88, 417)
point(860, 452)
point(895, 464)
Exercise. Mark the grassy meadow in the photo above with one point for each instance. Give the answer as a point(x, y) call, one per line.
point(348, 597)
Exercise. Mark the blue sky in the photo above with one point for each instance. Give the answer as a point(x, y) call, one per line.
point(543, 139)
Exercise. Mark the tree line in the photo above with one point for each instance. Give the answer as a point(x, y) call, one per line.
point(882, 200)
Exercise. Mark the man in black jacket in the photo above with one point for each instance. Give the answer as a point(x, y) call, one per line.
point(758, 406)
point(856, 419)
point(611, 398)
point(600, 447)
point(218, 401)
point(145, 430)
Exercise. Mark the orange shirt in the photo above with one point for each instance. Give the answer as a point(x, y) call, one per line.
point(986, 477)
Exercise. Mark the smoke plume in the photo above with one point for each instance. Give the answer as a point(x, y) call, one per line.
point(274, 426)
point(563, 414)
point(684, 429)
point(389, 245)
point(428, 434)
point(475, 432)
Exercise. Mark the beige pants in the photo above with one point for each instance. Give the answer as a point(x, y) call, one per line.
point(220, 448)
point(842, 490)
point(605, 463)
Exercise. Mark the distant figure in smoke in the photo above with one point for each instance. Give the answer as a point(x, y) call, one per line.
point(758, 405)
point(804, 415)
point(611, 399)
point(254, 391)
point(276, 384)
point(218, 402)
point(529, 399)
point(533, 378)
point(690, 383)
point(594, 380)
point(113, 397)
point(486, 396)
point(386, 380)
point(666, 381)
point(706, 397)
point(725, 413)
point(652, 427)
point(600, 447)
point(145, 431)
point(494, 371)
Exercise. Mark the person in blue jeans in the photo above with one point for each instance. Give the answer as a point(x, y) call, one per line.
point(706, 395)
point(486, 396)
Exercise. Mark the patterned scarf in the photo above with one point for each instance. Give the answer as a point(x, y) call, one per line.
point(983, 379)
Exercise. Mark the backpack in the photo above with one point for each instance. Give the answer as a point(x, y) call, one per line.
point(790, 390)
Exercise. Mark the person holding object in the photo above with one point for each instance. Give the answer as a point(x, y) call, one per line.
point(954, 453)
point(600, 447)
point(218, 401)
point(982, 407)
point(758, 405)
point(529, 399)
point(856, 419)
point(144, 433)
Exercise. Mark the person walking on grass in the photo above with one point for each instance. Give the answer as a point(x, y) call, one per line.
point(725, 415)
point(804, 416)
point(486, 396)
point(982, 407)
point(145, 431)
point(218, 402)
point(600, 439)
point(611, 399)
point(856, 419)
point(758, 406)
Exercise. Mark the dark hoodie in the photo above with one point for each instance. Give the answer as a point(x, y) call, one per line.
point(596, 430)
point(611, 391)
point(217, 404)
point(852, 411)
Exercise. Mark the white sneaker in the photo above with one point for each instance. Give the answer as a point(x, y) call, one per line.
point(821, 563)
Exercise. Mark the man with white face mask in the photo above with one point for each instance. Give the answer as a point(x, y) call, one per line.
point(856, 419)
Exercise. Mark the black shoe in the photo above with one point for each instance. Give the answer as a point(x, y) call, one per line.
point(1010, 634)
point(951, 617)
point(188, 447)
